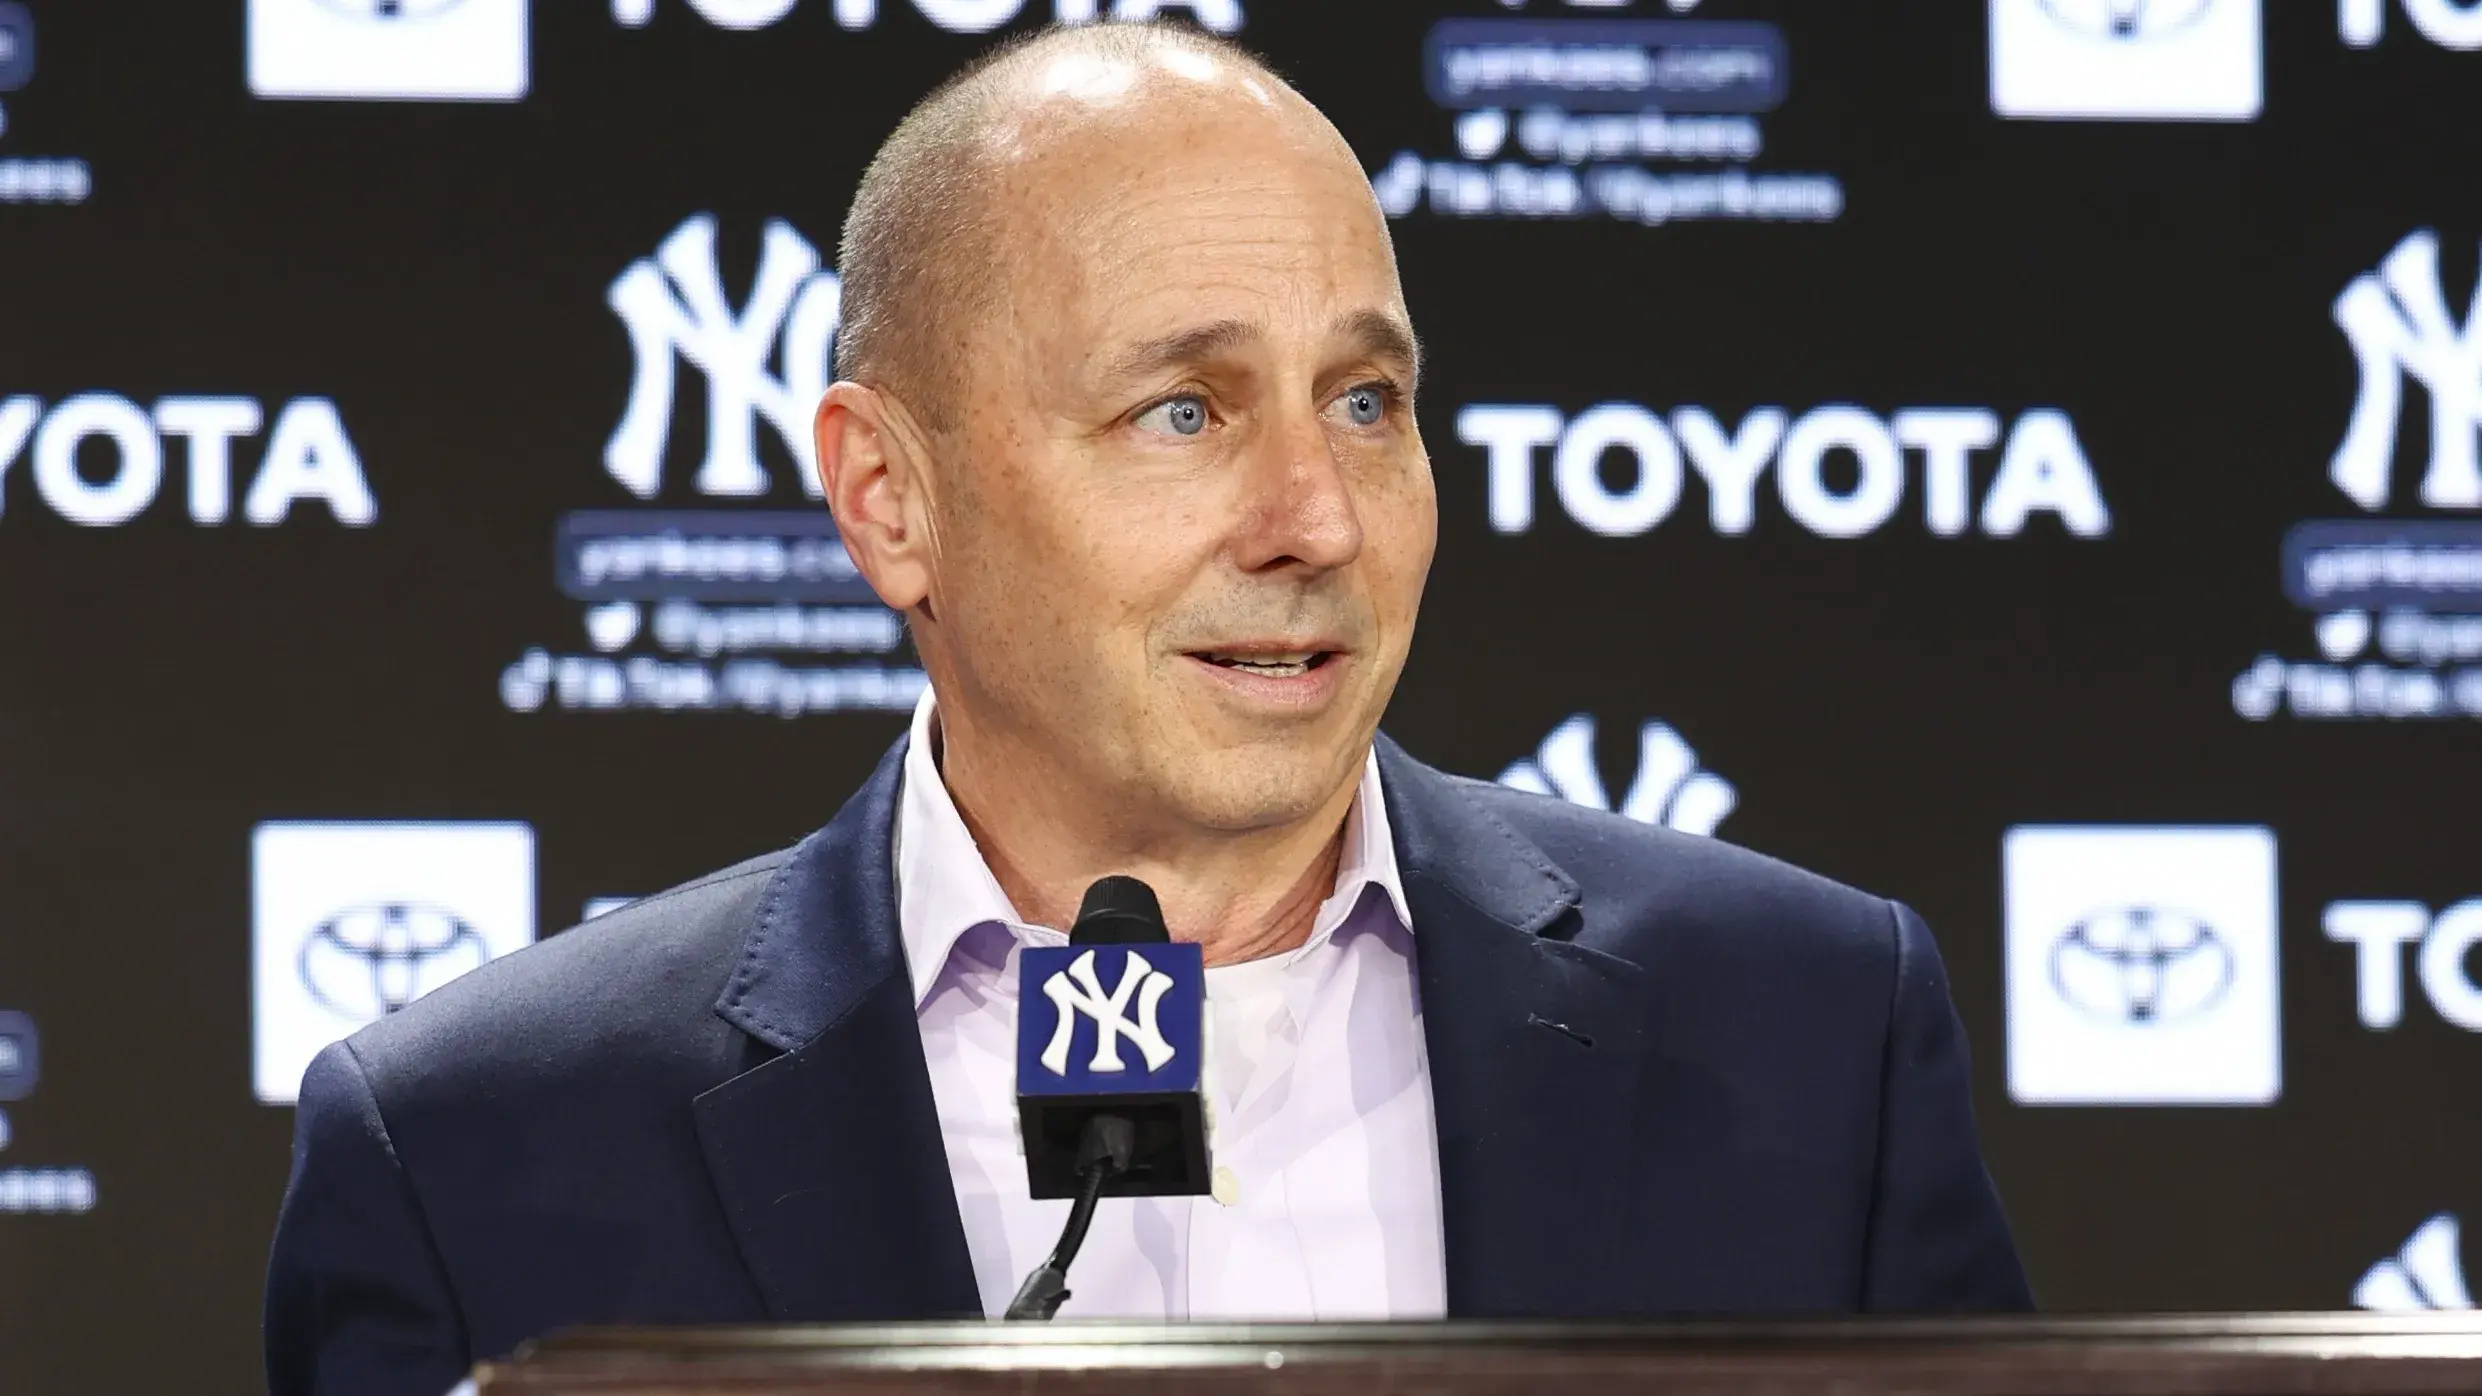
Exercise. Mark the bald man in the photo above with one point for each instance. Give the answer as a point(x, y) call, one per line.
point(1127, 434)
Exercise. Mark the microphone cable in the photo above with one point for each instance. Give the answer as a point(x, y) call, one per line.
point(1103, 1154)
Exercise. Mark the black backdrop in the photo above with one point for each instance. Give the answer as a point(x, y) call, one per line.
point(1884, 707)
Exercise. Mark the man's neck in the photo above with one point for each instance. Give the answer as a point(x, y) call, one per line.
point(1241, 896)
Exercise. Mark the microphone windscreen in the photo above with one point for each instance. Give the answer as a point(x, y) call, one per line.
point(1119, 911)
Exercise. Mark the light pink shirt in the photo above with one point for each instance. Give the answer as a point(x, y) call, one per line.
point(1318, 1085)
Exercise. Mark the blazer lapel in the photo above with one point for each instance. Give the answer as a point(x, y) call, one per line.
point(828, 1156)
point(1535, 1047)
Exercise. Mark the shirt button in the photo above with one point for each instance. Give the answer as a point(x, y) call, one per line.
point(1227, 1185)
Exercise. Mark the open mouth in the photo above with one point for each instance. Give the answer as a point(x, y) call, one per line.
point(1291, 665)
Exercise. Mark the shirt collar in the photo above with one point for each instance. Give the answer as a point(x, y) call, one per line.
point(945, 889)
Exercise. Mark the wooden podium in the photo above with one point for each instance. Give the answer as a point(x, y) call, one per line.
point(2255, 1355)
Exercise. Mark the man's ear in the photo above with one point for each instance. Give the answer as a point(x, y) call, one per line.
point(873, 468)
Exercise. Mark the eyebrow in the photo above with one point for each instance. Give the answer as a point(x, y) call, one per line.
point(1383, 336)
point(1374, 333)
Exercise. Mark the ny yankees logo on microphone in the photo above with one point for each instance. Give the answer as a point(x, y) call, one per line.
point(1076, 990)
point(1124, 982)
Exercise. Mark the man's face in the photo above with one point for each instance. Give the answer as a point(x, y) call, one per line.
point(1184, 518)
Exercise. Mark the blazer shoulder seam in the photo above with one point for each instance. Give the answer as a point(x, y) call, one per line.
point(753, 868)
point(413, 1198)
point(1893, 918)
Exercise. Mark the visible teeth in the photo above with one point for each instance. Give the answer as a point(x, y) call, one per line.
point(1281, 666)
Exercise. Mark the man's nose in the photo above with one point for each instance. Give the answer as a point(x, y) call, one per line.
point(1301, 510)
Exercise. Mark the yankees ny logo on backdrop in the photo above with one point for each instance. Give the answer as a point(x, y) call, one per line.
point(2397, 319)
point(1668, 789)
point(1076, 990)
point(674, 307)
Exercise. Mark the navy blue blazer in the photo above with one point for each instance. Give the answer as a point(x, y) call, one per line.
point(1670, 1076)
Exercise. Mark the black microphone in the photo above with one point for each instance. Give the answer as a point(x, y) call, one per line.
point(1119, 911)
point(1110, 1049)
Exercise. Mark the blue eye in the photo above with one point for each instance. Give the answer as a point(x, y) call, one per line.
point(1365, 405)
point(1185, 415)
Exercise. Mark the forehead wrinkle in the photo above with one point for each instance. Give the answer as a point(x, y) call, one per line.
point(1122, 262)
point(1250, 289)
point(1239, 232)
point(1190, 346)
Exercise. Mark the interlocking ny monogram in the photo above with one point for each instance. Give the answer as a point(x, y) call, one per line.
point(674, 307)
point(1076, 990)
point(2397, 319)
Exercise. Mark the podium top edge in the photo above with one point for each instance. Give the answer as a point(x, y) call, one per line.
point(1087, 1345)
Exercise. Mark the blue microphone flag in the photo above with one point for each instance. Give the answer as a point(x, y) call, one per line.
point(1113, 1029)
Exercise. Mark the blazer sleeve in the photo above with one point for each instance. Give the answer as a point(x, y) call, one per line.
point(358, 1303)
point(1938, 1239)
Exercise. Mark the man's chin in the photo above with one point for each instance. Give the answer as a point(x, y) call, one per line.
point(1260, 785)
